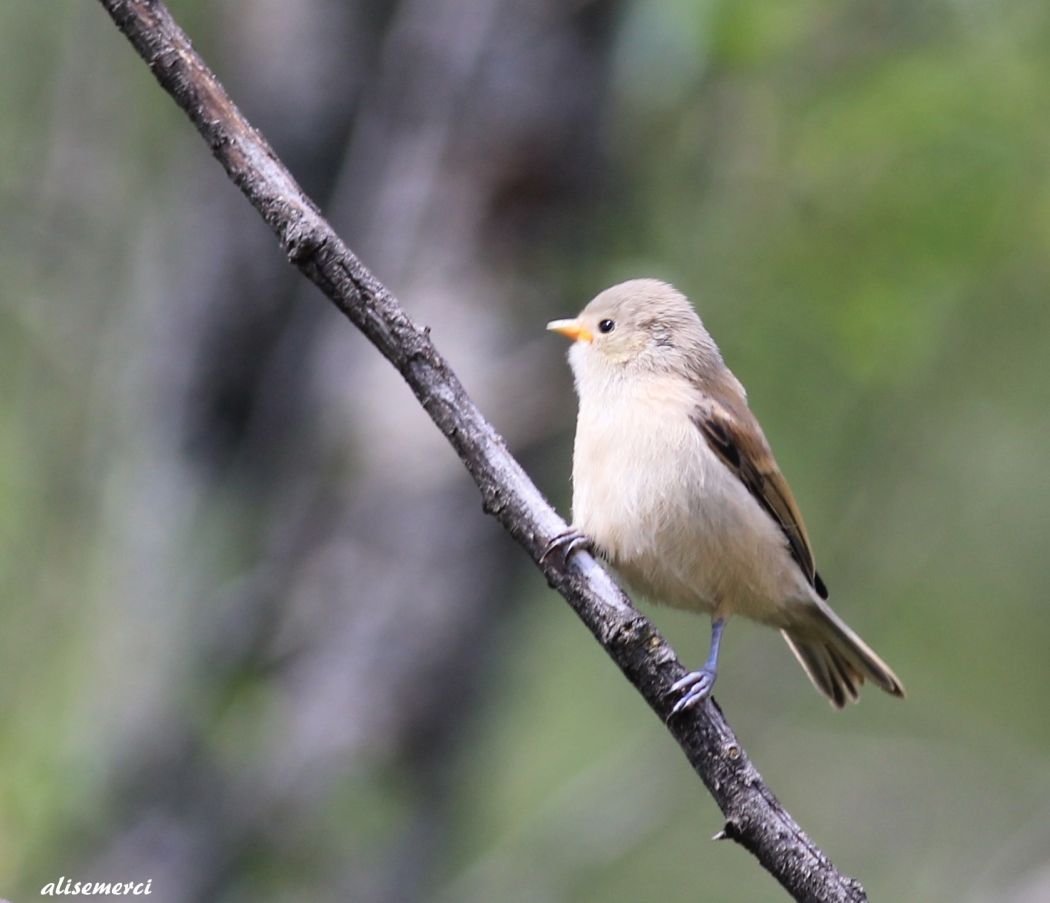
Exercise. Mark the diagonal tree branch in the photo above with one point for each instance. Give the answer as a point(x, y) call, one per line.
point(754, 817)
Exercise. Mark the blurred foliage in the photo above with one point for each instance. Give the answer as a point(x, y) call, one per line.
point(857, 197)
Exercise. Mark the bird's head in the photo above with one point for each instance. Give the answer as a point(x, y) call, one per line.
point(643, 325)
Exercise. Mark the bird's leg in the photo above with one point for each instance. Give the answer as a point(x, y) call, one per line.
point(572, 540)
point(698, 684)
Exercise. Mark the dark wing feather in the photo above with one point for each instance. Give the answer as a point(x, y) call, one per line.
point(746, 453)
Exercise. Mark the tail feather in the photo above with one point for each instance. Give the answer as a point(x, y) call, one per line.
point(835, 658)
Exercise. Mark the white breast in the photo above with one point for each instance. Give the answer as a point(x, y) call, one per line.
point(671, 518)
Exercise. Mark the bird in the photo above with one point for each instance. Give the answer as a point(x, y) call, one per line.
point(675, 486)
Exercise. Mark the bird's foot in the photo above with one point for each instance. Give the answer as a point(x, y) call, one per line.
point(697, 686)
point(572, 540)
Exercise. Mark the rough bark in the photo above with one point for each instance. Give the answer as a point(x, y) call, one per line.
point(754, 817)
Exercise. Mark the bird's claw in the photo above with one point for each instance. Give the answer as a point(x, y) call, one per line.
point(572, 540)
point(697, 686)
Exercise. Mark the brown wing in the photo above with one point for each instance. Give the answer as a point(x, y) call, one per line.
point(746, 453)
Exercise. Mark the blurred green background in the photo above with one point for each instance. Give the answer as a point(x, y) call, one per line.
point(258, 641)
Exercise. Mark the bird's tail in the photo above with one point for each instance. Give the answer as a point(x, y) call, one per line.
point(835, 658)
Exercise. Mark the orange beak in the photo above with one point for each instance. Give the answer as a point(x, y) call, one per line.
point(571, 329)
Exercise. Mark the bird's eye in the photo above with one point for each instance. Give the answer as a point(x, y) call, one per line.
point(606, 326)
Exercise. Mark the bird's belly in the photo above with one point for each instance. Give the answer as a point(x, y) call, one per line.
point(690, 536)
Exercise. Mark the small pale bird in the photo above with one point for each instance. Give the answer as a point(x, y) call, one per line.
point(675, 486)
